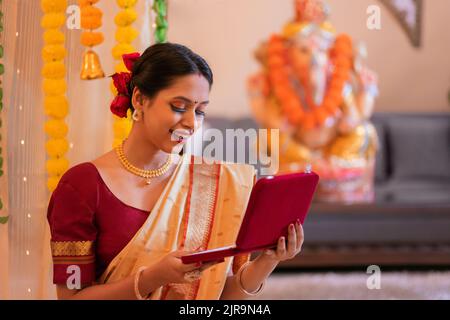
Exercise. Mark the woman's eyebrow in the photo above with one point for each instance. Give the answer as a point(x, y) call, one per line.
point(189, 100)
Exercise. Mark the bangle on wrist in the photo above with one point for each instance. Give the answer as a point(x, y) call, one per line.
point(239, 281)
point(137, 276)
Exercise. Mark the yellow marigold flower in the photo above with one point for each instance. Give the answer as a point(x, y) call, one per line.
point(57, 148)
point(120, 67)
point(56, 129)
point(90, 39)
point(53, 53)
point(90, 11)
point(53, 36)
point(121, 128)
point(52, 183)
point(126, 3)
point(53, 20)
point(91, 17)
point(54, 87)
point(57, 166)
point(54, 70)
point(125, 17)
point(91, 23)
point(126, 34)
point(120, 49)
point(53, 5)
point(112, 88)
point(116, 142)
point(56, 106)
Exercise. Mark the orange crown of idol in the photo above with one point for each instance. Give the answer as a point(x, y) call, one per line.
point(311, 11)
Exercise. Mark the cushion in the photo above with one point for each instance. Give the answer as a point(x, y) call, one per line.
point(414, 192)
point(420, 147)
point(382, 156)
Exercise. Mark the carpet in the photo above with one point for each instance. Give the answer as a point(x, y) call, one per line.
point(408, 285)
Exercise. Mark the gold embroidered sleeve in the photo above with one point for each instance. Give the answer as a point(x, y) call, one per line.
point(72, 248)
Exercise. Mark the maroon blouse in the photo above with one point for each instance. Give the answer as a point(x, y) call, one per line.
point(89, 224)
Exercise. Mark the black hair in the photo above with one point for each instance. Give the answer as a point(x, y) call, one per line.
point(160, 64)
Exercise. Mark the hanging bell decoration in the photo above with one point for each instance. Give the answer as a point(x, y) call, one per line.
point(91, 68)
point(91, 19)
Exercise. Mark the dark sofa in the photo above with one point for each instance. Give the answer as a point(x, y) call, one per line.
point(409, 222)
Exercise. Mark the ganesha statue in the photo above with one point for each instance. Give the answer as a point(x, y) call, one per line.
point(315, 88)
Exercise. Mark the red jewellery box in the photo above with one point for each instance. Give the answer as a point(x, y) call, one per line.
point(275, 202)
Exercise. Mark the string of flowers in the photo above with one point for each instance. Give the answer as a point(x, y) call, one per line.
point(91, 19)
point(161, 24)
point(125, 35)
point(308, 115)
point(3, 219)
point(56, 105)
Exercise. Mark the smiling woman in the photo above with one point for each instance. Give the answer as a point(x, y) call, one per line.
point(120, 223)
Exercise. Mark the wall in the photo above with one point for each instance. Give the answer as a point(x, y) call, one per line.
point(227, 31)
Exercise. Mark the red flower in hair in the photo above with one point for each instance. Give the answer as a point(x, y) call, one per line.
point(129, 59)
point(120, 106)
point(121, 81)
point(121, 102)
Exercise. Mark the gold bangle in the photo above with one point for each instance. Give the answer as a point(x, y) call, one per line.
point(136, 284)
point(241, 287)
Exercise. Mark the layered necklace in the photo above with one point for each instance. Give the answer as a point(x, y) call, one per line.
point(146, 174)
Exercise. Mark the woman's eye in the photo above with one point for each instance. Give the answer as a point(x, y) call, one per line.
point(177, 107)
point(200, 113)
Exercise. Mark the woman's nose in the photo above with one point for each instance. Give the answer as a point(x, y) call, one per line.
point(190, 120)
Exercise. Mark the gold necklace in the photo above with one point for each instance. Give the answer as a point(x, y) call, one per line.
point(146, 174)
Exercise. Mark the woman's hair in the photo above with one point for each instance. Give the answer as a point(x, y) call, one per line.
point(160, 65)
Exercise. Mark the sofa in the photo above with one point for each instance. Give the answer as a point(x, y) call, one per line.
point(408, 224)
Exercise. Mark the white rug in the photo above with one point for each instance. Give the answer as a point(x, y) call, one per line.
point(353, 285)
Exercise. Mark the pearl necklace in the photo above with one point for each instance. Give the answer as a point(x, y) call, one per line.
point(146, 174)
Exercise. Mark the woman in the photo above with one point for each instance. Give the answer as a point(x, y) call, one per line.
point(120, 223)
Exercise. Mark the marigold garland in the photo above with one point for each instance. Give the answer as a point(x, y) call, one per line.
point(53, 20)
point(279, 75)
point(125, 35)
point(54, 84)
point(91, 19)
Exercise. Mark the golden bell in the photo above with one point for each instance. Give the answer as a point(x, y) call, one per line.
point(91, 68)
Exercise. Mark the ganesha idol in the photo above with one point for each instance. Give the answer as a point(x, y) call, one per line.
point(314, 87)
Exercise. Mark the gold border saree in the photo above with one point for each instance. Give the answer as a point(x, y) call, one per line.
point(201, 207)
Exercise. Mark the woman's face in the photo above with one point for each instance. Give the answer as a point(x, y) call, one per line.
point(175, 112)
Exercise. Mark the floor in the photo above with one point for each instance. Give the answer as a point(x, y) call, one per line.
point(353, 285)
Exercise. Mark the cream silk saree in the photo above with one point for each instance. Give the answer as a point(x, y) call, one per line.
point(201, 207)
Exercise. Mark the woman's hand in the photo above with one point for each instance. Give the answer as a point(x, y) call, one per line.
point(294, 245)
point(170, 269)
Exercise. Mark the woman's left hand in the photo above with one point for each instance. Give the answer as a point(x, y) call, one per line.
point(294, 244)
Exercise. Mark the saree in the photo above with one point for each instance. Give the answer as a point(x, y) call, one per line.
point(201, 207)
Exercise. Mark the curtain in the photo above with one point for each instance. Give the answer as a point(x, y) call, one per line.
point(4, 240)
point(25, 265)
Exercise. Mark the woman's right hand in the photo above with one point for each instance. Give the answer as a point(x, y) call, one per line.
point(170, 269)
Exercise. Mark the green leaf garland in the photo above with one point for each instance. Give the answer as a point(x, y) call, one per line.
point(160, 8)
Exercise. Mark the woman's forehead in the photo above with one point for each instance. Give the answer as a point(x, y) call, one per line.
point(193, 84)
